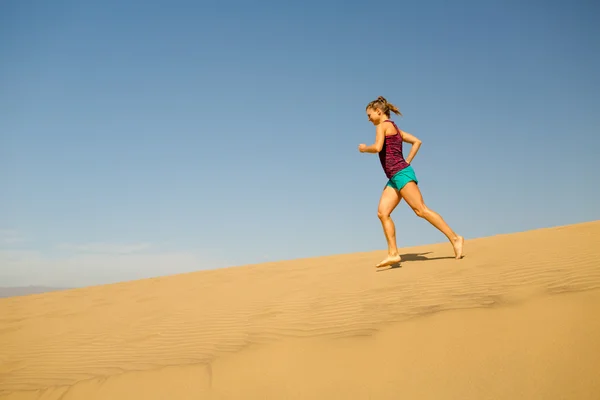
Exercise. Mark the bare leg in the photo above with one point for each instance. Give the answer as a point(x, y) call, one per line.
point(411, 193)
point(390, 198)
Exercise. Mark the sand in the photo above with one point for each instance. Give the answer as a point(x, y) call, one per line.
point(517, 318)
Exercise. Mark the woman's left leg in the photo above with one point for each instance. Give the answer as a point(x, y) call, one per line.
point(411, 193)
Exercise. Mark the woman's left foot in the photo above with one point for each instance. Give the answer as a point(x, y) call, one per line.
point(389, 260)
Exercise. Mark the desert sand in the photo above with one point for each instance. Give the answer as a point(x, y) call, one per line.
point(517, 318)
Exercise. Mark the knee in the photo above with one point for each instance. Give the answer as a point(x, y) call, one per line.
point(421, 211)
point(382, 215)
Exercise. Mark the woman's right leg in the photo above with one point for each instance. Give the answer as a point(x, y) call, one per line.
point(390, 198)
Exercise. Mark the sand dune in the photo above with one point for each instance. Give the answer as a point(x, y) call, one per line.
point(25, 290)
point(517, 318)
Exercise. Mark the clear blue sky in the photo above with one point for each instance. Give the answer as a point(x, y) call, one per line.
point(154, 138)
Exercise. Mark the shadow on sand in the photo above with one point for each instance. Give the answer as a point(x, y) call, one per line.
point(414, 257)
point(421, 257)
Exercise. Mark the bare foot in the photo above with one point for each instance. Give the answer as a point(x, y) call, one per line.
point(389, 260)
point(458, 247)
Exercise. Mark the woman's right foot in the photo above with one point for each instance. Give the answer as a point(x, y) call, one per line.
point(458, 247)
point(389, 260)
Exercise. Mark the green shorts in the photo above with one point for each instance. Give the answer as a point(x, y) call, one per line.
point(402, 177)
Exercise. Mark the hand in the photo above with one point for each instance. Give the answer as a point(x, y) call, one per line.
point(362, 147)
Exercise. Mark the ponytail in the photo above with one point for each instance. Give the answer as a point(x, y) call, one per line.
point(382, 104)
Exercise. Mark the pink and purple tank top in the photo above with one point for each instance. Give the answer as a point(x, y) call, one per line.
point(391, 157)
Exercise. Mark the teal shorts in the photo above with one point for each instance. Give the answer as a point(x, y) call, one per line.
point(402, 177)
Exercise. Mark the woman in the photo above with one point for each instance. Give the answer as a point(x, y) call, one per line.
point(402, 181)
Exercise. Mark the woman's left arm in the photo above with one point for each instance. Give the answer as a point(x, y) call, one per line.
point(414, 141)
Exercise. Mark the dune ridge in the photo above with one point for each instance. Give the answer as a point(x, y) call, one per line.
point(57, 344)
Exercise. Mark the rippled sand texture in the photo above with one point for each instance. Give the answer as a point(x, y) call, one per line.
point(517, 318)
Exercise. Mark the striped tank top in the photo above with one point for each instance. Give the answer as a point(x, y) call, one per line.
point(391, 157)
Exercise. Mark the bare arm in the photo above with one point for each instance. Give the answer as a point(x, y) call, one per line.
point(414, 141)
point(379, 139)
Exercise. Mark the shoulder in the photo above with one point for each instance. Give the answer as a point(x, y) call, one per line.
point(388, 127)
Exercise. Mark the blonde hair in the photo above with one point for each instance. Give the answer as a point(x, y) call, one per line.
point(382, 104)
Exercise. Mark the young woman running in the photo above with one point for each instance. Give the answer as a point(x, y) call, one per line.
point(402, 181)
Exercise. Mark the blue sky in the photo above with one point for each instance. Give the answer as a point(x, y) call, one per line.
point(155, 138)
